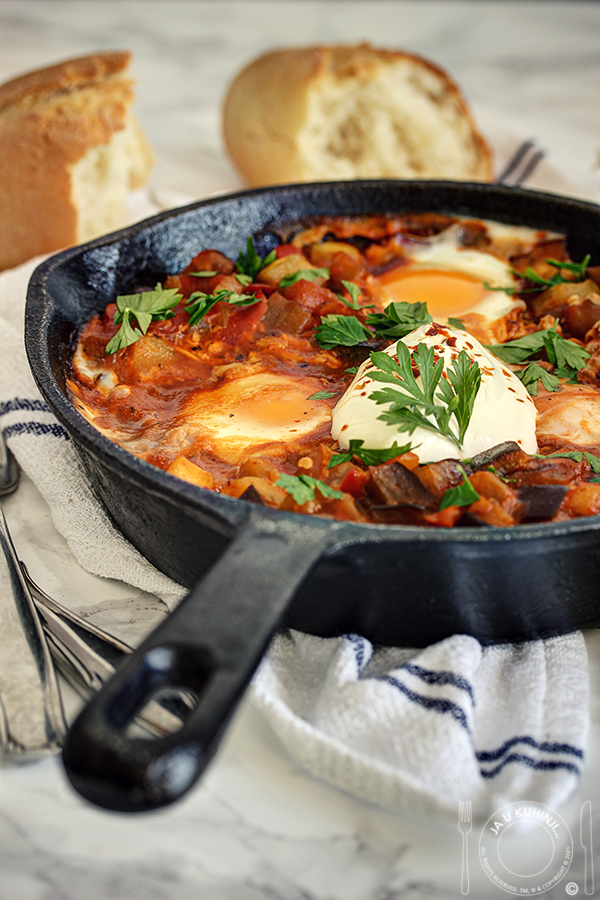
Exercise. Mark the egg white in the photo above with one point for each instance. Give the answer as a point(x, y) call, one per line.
point(443, 253)
point(503, 410)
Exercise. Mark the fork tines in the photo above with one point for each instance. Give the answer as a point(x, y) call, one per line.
point(464, 814)
point(522, 164)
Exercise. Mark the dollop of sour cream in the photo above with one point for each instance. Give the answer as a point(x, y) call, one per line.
point(503, 409)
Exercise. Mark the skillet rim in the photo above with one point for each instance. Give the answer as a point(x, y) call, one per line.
point(229, 511)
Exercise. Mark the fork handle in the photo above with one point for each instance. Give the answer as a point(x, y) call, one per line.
point(464, 880)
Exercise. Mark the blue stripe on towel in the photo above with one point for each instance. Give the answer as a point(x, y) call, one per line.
point(548, 765)
point(36, 428)
point(545, 746)
point(439, 705)
point(430, 676)
point(358, 645)
point(23, 403)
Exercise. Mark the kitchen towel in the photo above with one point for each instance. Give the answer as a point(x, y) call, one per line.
point(411, 730)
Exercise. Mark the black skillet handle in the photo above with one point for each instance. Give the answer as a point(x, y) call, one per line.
point(210, 645)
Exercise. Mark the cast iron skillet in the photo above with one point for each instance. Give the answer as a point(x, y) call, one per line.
point(253, 570)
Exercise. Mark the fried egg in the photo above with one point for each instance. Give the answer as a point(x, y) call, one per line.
point(452, 281)
point(503, 410)
point(232, 421)
point(239, 416)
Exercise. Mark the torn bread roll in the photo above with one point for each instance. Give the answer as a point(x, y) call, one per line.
point(70, 152)
point(343, 112)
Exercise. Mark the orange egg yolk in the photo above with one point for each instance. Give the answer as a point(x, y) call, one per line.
point(446, 294)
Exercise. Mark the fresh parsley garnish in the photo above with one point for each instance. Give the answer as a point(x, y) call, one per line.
point(200, 303)
point(146, 307)
point(459, 390)
point(576, 269)
point(533, 374)
point(345, 331)
point(517, 351)
point(303, 275)
point(456, 323)
point(566, 357)
point(541, 283)
point(302, 488)
point(251, 262)
point(355, 292)
point(323, 395)
point(509, 289)
point(368, 457)
point(462, 495)
point(578, 456)
point(412, 405)
point(399, 319)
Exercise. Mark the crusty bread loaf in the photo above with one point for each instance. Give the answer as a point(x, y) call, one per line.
point(343, 112)
point(70, 152)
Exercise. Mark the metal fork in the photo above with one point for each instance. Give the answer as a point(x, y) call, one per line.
point(84, 655)
point(32, 721)
point(522, 164)
point(465, 825)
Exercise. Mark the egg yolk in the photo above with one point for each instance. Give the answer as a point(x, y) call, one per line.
point(445, 293)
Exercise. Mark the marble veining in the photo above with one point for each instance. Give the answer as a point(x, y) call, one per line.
point(257, 827)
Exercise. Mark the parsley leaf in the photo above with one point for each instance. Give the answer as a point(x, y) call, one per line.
point(200, 303)
point(302, 488)
point(578, 456)
point(323, 395)
point(399, 319)
point(460, 389)
point(355, 292)
point(566, 356)
point(368, 457)
point(535, 373)
point(508, 289)
point(303, 275)
point(541, 283)
point(576, 269)
point(345, 331)
point(251, 263)
point(145, 308)
point(517, 351)
point(413, 405)
point(462, 495)
point(559, 350)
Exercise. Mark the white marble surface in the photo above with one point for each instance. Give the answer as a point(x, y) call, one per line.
point(257, 828)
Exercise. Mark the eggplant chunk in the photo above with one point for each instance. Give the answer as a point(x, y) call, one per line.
point(489, 457)
point(403, 514)
point(252, 496)
point(541, 501)
point(392, 484)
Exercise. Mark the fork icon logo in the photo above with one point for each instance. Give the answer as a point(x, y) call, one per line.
point(465, 825)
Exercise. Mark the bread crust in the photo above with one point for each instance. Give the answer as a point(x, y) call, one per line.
point(268, 104)
point(48, 120)
point(68, 75)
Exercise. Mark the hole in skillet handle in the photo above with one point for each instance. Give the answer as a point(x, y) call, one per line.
point(209, 646)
